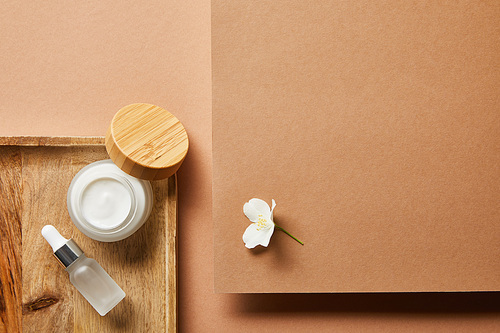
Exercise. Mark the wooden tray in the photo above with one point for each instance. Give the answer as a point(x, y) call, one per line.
point(36, 294)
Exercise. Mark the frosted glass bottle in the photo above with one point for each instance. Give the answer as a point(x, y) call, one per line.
point(89, 278)
point(92, 281)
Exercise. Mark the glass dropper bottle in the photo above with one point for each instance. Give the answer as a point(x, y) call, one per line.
point(89, 278)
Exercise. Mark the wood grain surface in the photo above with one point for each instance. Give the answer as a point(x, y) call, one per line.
point(146, 141)
point(36, 295)
point(10, 236)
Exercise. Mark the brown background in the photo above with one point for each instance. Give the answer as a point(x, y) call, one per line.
point(375, 126)
point(68, 67)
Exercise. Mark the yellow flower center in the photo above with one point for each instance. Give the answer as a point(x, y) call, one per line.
point(261, 223)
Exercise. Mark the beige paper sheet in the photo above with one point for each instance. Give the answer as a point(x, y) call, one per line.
point(376, 128)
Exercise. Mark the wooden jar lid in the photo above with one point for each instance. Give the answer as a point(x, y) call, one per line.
point(146, 141)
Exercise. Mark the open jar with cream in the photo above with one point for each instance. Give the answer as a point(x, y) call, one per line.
point(107, 204)
point(109, 200)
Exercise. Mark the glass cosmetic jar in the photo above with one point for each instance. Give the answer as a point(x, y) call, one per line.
point(106, 204)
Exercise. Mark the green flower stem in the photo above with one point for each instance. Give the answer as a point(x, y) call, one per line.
point(286, 232)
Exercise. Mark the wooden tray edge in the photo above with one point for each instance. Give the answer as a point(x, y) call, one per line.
point(51, 140)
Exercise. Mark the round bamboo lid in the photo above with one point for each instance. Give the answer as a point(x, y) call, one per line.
point(146, 141)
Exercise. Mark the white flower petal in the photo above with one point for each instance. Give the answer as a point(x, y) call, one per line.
point(272, 209)
point(251, 212)
point(253, 236)
point(261, 206)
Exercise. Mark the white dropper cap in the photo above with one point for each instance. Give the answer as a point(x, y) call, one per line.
point(66, 251)
point(53, 237)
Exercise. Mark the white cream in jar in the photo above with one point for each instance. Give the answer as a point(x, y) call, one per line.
point(107, 204)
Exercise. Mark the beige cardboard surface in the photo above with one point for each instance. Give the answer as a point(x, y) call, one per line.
point(376, 128)
point(183, 73)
